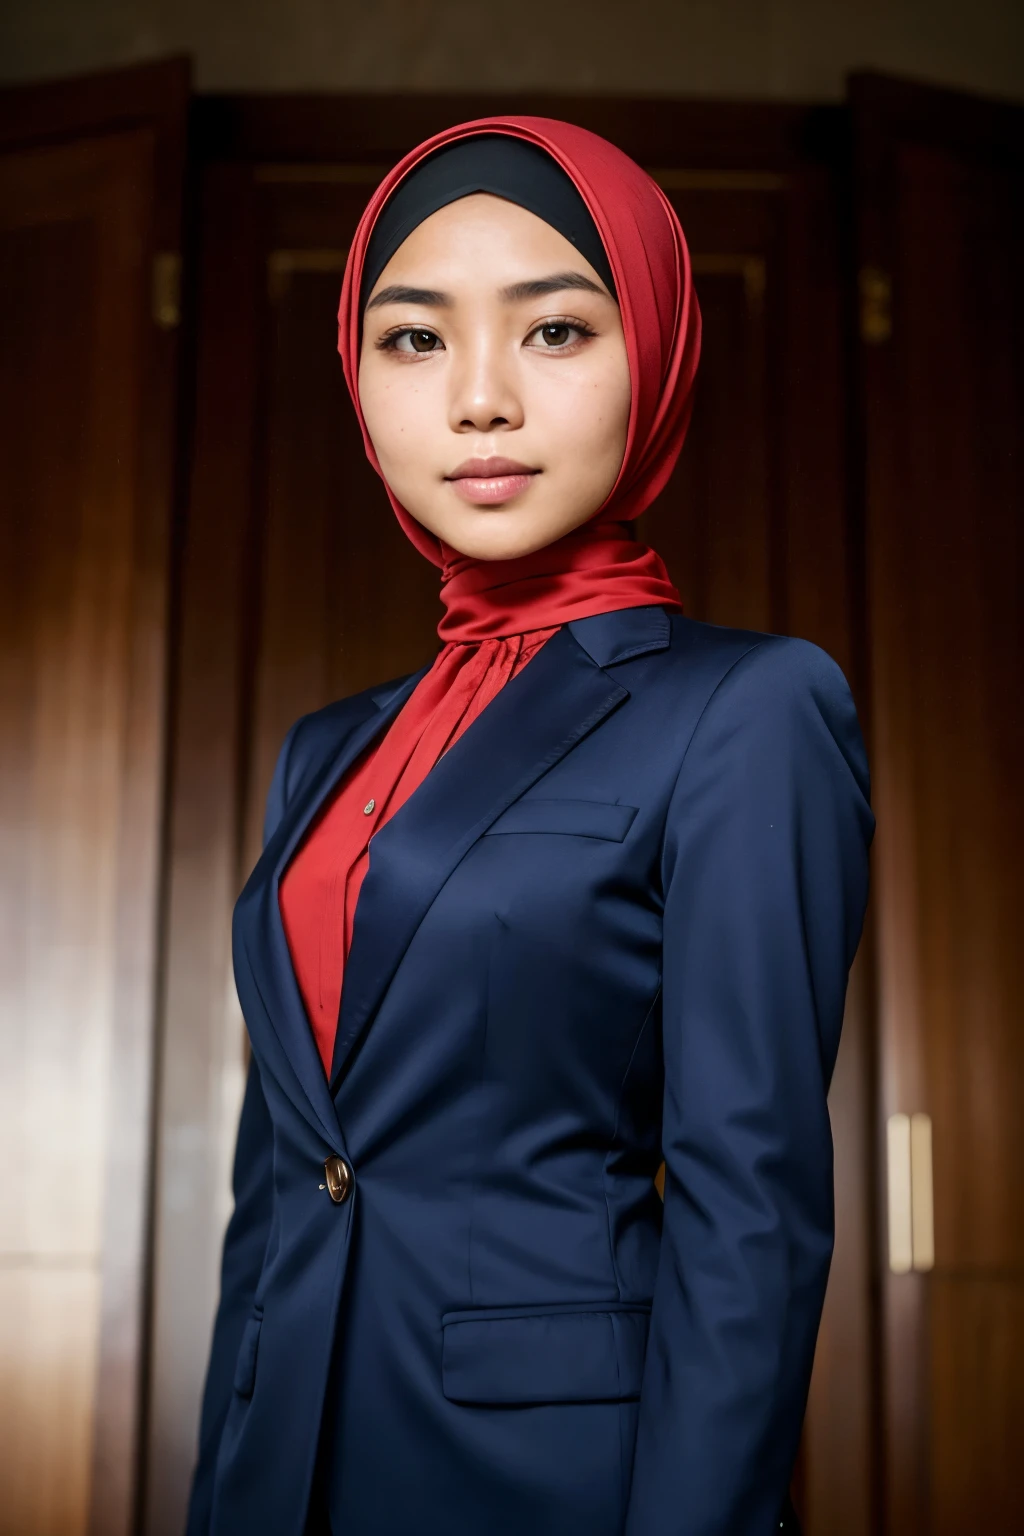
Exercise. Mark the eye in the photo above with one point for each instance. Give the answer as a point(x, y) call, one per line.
point(559, 335)
point(555, 335)
point(412, 339)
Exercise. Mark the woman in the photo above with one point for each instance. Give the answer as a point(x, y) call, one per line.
point(611, 866)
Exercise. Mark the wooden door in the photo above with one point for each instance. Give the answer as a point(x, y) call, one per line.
point(941, 228)
point(90, 179)
point(282, 608)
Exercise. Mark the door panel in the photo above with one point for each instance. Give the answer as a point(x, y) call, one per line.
point(712, 524)
point(86, 440)
point(941, 189)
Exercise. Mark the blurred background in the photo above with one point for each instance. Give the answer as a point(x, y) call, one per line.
point(189, 547)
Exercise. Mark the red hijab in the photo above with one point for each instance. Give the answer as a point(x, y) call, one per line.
point(498, 613)
point(596, 568)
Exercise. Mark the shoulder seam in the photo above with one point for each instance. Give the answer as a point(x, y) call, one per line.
point(754, 646)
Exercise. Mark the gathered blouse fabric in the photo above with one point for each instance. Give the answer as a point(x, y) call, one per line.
point(320, 888)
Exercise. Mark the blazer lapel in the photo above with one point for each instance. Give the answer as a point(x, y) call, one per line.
point(536, 718)
point(265, 944)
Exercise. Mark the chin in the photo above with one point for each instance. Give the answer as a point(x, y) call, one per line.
point(500, 549)
point(485, 540)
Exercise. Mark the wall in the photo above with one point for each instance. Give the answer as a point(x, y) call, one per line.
point(797, 49)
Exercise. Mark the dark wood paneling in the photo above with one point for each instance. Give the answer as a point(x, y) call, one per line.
point(704, 136)
point(976, 1392)
point(715, 524)
point(942, 223)
point(89, 181)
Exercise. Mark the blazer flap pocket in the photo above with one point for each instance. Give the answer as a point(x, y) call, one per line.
point(580, 818)
point(536, 1356)
point(245, 1366)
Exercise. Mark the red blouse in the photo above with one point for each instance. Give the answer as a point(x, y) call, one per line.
point(320, 887)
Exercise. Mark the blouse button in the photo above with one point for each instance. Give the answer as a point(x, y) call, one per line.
point(368, 807)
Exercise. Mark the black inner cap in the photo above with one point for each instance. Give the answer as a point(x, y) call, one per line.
point(507, 167)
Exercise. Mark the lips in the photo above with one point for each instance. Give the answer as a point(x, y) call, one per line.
point(488, 482)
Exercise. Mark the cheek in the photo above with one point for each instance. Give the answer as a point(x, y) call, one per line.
point(398, 411)
point(586, 415)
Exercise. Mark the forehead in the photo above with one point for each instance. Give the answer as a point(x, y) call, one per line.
point(483, 238)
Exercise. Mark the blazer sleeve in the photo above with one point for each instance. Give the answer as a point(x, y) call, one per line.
point(765, 883)
point(246, 1240)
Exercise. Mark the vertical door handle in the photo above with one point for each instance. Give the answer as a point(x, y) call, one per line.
point(166, 289)
point(910, 1199)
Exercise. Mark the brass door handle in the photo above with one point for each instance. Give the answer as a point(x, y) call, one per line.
point(911, 1203)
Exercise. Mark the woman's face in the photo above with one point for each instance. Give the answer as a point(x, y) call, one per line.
point(493, 379)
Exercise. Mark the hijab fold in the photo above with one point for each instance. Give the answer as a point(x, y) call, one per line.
point(497, 614)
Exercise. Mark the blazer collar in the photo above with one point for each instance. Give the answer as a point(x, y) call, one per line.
point(258, 921)
point(557, 699)
point(609, 638)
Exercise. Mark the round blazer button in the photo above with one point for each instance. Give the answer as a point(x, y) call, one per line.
point(339, 1179)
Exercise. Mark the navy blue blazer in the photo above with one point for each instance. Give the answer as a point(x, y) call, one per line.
point(613, 924)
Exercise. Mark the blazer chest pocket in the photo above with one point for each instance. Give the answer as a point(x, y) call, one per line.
point(521, 1355)
point(577, 818)
point(245, 1366)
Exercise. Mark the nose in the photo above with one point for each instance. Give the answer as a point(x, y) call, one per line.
point(484, 389)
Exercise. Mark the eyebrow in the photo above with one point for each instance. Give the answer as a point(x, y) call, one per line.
point(398, 293)
point(515, 293)
point(540, 287)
